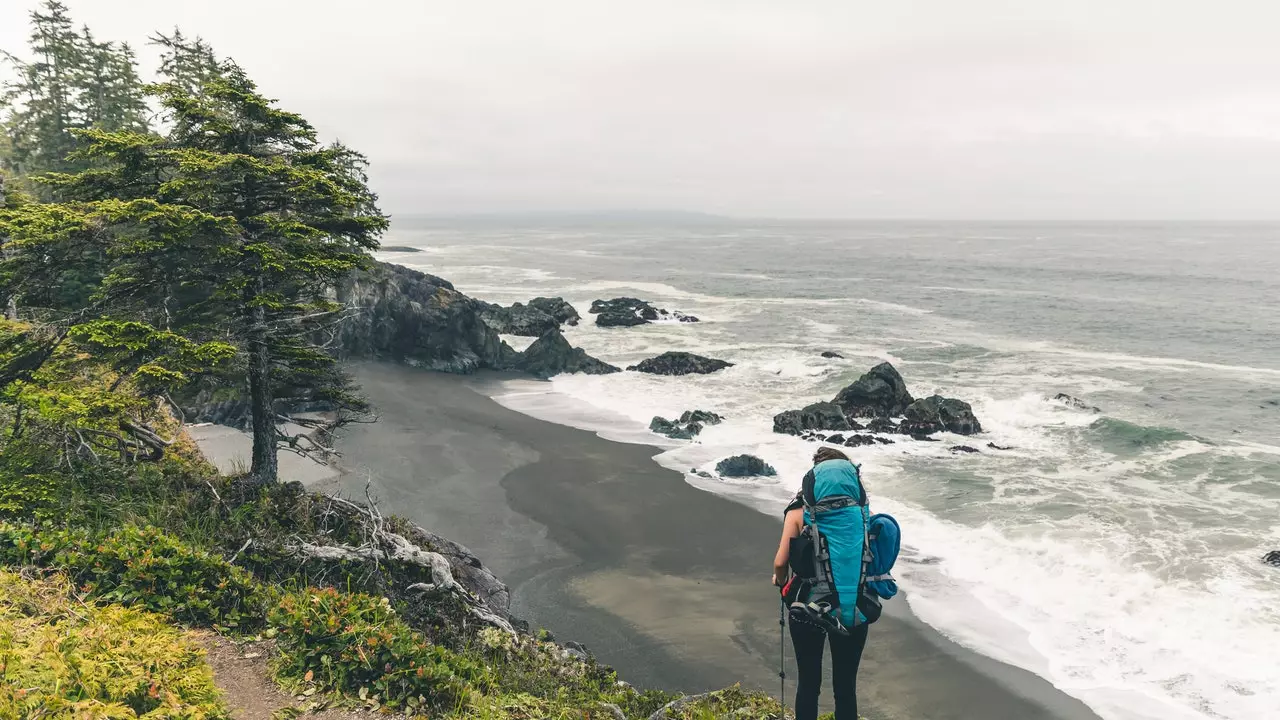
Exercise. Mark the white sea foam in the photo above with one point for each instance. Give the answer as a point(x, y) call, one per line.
point(1124, 575)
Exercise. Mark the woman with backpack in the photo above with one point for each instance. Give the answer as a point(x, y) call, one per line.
point(814, 621)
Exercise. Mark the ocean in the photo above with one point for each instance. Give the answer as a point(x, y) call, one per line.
point(1117, 554)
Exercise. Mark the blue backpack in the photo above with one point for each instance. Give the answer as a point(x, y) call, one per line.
point(844, 552)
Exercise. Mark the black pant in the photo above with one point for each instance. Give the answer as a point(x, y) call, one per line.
point(846, 652)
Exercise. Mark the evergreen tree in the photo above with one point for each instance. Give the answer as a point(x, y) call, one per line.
point(186, 62)
point(109, 93)
point(41, 100)
point(235, 227)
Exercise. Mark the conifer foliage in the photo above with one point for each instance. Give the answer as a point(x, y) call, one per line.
point(204, 254)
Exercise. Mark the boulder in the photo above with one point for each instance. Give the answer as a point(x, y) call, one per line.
point(994, 446)
point(1272, 558)
point(551, 355)
point(417, 319)
point(700, 416)
point(881, 392)
point(882, 425)
point(818, 416)
point(963, 449)
point(836, 439)
point(744, 466)
point(523, 320)
point(562, 311)
point(936, 414)
point(628, 312)
point(831, 355)
point(864, 440)
point(673, 429)
point(680, 363)
point(1075, 402)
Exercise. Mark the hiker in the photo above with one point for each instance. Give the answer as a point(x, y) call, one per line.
point(832, 549)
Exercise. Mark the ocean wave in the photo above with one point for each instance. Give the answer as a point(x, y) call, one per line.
point(1124, 437)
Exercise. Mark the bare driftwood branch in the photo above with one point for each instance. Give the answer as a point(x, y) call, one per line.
point(382, 545)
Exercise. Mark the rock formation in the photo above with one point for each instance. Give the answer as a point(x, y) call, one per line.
point(818, 416)
point(745, 466)
point(1075, 402)
point(879, 393)
point(417, 319)
point(558, 308)
point(690, 424)
point(551, 355)
point(680, 363)
point(628, 312)
point(1272, 558)
point(524, 320)
point(938, 414)
point(832, 355)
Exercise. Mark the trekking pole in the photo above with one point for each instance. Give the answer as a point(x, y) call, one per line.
point(782, 666)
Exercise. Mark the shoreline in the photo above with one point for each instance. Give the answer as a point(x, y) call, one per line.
point(601, 545)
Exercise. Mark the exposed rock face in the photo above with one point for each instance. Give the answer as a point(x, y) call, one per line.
point(832, 355)
point(467, 570)
point(628, 312)
point(1075, 402)
point(818, 416)
point(936, 414)
point(745, 466)
point(1272, 558)
point(563, 312)
point(680, 363)
point(418, 319)
point(551, 355)
point(523, 320)
point(879, 393)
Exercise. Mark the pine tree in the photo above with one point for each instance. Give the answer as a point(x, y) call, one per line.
point(234, 227)
point(109, 93)
point(41, 101)
point(186, 62)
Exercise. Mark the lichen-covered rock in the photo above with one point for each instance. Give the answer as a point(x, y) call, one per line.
point(680, 363)
point(418, 319)
point(936, 414)
point(551, 355)
point(745, 466)
point(881, 392)
point(818, 416)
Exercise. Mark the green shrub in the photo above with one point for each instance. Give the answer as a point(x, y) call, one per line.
point(60, 658)
point(356, 645)
point(142, 566)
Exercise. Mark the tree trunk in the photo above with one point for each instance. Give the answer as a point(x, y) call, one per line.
point(265, 468)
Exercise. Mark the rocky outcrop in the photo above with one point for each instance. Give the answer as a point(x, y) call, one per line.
point(964, 449)
point(628, 312)
point(864, 440)
point(417, 319)
point(557, 308)
point(818, 416)
point(680, 363)
point(832, 355)
point(882, 425)
point(1075, 402)
point(745, 466)
point(938, 414)
point(467, 570)
point(523, 320)
point(688, 426)
point(880, 393)
point(551, 355)
point(1272, 558)
point(994, 446)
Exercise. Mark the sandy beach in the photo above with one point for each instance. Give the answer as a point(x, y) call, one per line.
point(662, 581)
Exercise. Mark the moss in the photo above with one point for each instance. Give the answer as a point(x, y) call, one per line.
point(62, 658)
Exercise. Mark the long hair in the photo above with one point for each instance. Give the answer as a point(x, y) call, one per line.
point(828, 453)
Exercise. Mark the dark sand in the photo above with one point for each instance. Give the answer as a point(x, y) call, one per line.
point(667, 583)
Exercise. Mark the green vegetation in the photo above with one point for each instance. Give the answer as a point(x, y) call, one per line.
point(184, 239)
point(62, 658)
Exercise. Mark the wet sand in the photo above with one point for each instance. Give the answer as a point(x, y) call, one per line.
point(666, 583)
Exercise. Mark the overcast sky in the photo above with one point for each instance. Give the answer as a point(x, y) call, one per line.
point(982, 109)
